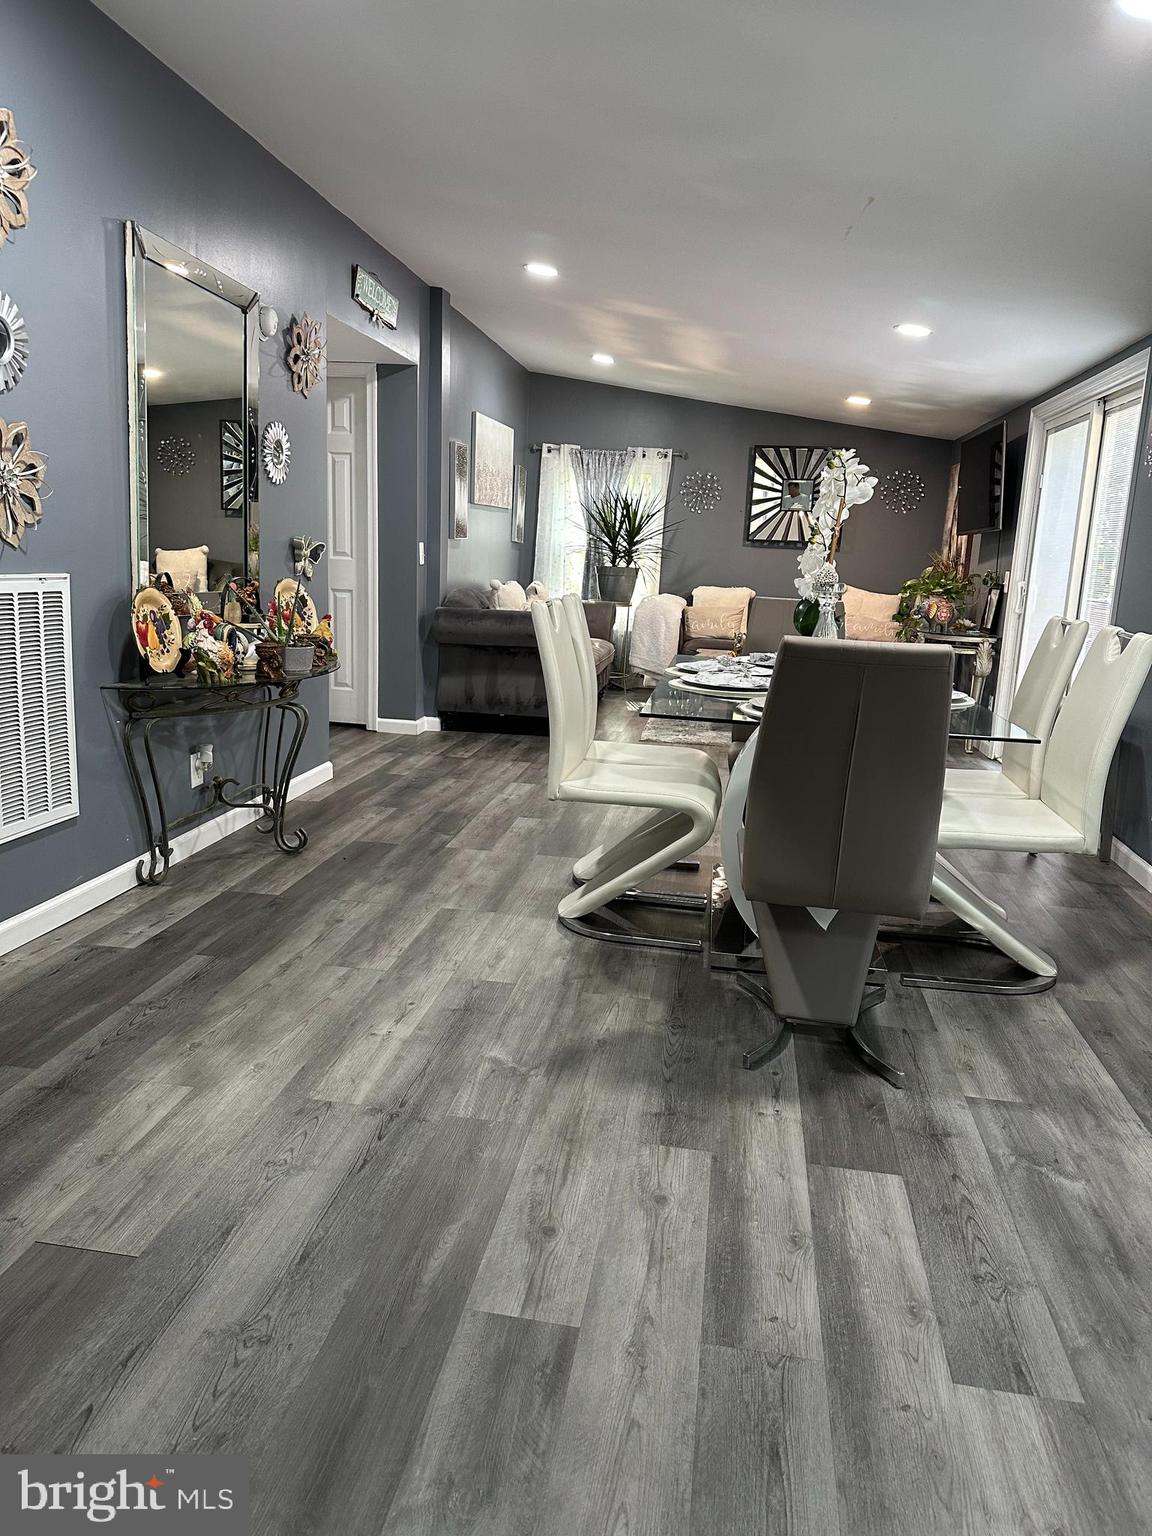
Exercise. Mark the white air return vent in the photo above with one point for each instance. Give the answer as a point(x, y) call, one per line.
point(37, 723)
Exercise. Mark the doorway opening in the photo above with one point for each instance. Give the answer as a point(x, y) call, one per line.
point(352, 533)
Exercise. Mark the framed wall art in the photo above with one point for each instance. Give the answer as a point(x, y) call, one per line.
point(783, 484)
point(461, 461)
point(493, 445)
point(519, 502)
point(231, 468)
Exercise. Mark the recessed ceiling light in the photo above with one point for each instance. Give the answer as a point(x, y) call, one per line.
point(860, 400)
point(914, 328)
point(541, 269)
point(1141, 8)
point(153, 373)
point(605, 359)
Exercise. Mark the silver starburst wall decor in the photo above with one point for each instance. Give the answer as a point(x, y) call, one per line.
point(13, 344)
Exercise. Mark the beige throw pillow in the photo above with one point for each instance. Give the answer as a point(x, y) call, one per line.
point(188, 568)
point(700, 623)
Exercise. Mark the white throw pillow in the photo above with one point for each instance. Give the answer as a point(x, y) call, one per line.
point(508, 594)
point(537, 592)
point(188, 568)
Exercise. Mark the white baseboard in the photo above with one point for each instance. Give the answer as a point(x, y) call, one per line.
point(409, 727)
point(1132, 864)
point(58, 910)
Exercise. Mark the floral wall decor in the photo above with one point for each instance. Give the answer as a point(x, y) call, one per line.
point(16, 171)
point(305, 354)
point(21, 482)
point(902, 490)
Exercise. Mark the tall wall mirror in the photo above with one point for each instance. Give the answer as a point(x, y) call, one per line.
point(193, 380)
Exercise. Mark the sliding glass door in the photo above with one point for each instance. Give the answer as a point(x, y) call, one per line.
point(1075, 536)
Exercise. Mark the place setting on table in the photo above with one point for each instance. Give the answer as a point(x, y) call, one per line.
point(744, 680)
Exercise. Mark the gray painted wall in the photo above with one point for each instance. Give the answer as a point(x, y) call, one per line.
point(116, 135)
point(881, 549)
point(484, 378)
point(1133, 608)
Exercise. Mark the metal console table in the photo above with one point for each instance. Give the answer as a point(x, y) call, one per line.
point(148, 703)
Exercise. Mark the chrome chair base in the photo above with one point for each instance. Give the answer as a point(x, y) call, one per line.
point(939, 981)
point(613, 927)
point(855, 1036)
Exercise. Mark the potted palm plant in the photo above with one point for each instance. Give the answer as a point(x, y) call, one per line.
point(627, 532)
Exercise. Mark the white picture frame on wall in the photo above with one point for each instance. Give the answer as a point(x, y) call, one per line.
point(519, 503)
point(459, 461)
point(493, 449)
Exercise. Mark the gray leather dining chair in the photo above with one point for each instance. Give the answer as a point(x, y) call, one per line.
point(769, 620)
point(840, 827)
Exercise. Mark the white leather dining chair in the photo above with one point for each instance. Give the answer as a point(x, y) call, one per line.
point(1034, 708)
point(1064, 817)
point(680, 786)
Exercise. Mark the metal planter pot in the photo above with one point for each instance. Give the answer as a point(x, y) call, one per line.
point(617, 583)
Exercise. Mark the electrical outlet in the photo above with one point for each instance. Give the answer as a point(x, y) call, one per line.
point(201, 762)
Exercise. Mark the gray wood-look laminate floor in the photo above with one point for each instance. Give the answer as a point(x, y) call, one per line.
point(453, 1222)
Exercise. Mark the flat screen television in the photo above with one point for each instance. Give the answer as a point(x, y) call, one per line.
point(980, 499)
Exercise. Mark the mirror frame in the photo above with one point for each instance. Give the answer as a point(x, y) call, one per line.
point(141, 246)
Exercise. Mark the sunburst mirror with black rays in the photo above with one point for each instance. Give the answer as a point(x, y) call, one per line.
point(232, 468)
point(783, 484)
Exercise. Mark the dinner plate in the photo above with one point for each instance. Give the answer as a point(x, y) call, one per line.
point(961, 700)
point(710, 665)
point(735, 694)
point(730, 682)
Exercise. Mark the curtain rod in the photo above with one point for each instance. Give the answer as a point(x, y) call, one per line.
point(677, 453)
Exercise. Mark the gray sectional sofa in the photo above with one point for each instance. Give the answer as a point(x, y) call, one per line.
point(488, 661)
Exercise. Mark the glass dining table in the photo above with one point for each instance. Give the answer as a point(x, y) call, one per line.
point(674, 697)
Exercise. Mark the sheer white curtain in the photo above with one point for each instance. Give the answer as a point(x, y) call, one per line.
point(597, 470)
point(561, 537)
point(569, 476)
point(649, 471)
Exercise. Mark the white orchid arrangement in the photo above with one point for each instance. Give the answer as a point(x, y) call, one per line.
point(844, 483)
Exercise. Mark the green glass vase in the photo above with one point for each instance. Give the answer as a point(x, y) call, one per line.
point(805, 617)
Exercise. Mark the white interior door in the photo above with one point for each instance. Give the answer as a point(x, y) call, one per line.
point(350, 544)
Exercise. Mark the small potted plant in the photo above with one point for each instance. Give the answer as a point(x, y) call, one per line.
point(627, 532)
point(938, 597)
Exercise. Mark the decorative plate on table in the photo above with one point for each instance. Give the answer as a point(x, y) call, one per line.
point(723, 689)
point(156, 629)
point(286, 591)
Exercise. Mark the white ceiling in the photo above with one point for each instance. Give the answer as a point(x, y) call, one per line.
point(743, 196)
point(193, 340)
